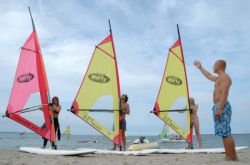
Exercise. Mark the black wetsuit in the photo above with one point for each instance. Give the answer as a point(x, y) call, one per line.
point(57, 130)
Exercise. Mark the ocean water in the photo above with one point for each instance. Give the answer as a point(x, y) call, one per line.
point(15, 140)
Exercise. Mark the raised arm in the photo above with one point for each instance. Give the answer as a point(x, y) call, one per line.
point(204, 72)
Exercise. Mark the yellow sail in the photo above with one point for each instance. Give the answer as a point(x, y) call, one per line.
point(172, 104)
point(101, 79)
point(67, 132)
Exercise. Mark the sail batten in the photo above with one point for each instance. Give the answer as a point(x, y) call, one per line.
point(105, 52)
point(172, 103)
point(176, 55)
point(100, 80)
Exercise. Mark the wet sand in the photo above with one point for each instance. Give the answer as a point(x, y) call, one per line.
point(15, 157)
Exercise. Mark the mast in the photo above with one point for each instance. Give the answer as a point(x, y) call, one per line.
point(178, 31)
point(118, 82)
point(190, 111)
point(33, 24)
point(110, 29)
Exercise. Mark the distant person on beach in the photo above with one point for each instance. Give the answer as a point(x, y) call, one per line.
point(195, 120)
point(222, 109)
point(125, 111)
point(55, 108)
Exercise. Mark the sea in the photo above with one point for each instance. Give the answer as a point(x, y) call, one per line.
point(9, 140)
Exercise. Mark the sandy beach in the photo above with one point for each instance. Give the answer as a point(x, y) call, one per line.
point(15, 157)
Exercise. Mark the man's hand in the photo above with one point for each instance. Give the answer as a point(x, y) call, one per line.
point(204, 72)
point(197, 64)
point(218, 113)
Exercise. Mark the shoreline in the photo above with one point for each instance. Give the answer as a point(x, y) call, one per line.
point(16, 157)
point(132, 135)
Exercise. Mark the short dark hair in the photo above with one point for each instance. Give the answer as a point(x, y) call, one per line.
point(126, 97)
point(223, 64)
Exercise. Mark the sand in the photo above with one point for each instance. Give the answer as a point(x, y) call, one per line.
point(15, 157)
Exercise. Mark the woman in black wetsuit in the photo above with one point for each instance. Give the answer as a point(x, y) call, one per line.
point(55, 108)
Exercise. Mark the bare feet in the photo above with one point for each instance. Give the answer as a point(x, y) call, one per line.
point(229, 146)
point(230, 159)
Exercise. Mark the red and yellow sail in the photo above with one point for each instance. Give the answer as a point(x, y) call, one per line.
point(31, 78)
point(173, 97)
point(101, 79)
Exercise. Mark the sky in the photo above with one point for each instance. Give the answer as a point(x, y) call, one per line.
point(143, 33)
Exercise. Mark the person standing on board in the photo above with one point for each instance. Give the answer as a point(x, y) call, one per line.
point(125, 111)
point(195, 120)
point(222, 109)
point(55, 108)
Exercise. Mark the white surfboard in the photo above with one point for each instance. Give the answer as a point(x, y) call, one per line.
point(36, 150)
point(185, 151)
point(135, 153)
point(171, 141)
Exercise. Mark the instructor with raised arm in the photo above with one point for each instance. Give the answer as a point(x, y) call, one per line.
point(222, 109)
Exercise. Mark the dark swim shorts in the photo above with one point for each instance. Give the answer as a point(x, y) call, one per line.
point(124, 125)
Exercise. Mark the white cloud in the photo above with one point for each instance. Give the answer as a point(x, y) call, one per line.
point(162, 6)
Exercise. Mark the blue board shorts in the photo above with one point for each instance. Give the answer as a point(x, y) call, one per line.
point(222, 125)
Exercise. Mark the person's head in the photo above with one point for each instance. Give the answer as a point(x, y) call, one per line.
point(191, 101)
point(55, 100)
point(124, 98)
point(220, 66)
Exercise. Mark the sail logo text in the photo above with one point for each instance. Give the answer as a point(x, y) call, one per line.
point(100, 78)
point(173, 80)
point(26, 77)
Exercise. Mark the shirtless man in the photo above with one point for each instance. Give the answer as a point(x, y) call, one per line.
point(222, 109)
point(125, 111)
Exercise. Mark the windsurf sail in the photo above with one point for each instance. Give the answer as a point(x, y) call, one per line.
point(164, 132)
point(101, 79)
point(31, 78)
point(172, 103)
point(67, 132)
point(169, 135)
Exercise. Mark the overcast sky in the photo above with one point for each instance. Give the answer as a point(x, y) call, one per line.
point(143, 32)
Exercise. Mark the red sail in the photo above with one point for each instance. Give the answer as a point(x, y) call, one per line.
point(31, 78)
